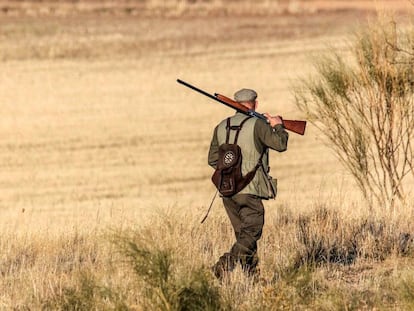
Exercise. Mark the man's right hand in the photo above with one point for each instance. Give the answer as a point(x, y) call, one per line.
point(273, 120)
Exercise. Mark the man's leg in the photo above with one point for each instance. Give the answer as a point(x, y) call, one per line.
point(246, 214)
point(233, 211)
point(251, 215)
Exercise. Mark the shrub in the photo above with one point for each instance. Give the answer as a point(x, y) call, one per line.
point(364, 105)
point(327, 238)
point(86, 294)
point(167, 288)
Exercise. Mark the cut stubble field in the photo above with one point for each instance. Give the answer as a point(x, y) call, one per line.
point(93, 139)
point(97, 137)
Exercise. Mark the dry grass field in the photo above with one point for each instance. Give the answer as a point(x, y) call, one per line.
point(99, 145)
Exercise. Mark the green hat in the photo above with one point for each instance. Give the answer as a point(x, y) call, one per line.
point(245, 95)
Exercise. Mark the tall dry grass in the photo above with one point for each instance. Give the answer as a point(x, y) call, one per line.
point(332, 262)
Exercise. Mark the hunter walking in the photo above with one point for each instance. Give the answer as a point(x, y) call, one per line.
point(244, 207)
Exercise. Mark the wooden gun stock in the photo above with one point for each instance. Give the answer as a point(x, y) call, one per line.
point(295, 126)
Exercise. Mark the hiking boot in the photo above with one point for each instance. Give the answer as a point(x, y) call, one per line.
point(218, 272)
point(223, 266)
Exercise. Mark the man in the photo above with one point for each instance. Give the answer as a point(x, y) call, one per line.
point(245, 209)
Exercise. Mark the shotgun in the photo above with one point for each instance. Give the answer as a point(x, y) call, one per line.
point(295, 126)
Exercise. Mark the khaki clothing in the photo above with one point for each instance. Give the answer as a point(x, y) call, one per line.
point(245, 209)
point(254, 138)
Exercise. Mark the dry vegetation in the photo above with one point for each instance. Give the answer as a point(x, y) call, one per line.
point(104, 177)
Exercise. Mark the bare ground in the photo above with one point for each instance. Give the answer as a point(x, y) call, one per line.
point(94, 34)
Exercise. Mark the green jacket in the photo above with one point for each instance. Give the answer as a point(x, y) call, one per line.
point(255, 136)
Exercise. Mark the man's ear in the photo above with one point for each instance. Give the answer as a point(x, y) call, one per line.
point(256, 104)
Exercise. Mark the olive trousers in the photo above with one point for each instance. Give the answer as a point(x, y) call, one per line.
point(246, 214)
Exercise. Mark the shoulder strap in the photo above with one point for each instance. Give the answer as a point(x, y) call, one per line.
point(235, 128)
point(260, 162)
point(228, 131)
point(239, 129)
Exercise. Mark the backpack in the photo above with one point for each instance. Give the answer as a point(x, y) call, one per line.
point(228, 177)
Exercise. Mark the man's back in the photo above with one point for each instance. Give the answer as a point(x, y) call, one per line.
point(255, 137)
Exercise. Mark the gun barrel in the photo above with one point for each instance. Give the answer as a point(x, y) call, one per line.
point(195, 88)
point(207, 94)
